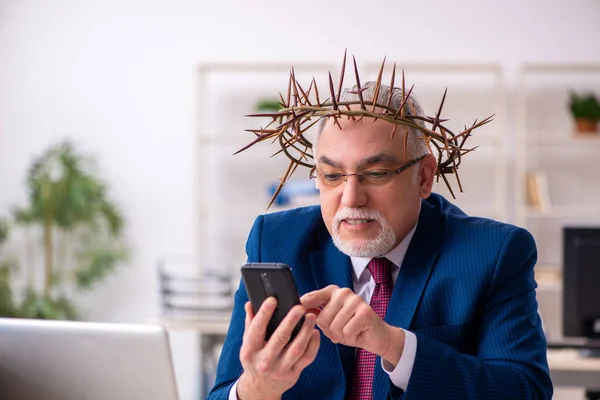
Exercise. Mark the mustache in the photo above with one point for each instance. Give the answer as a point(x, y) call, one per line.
point(357, 213)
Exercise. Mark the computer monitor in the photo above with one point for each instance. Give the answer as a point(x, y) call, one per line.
point(59, 360)
point(581, 282)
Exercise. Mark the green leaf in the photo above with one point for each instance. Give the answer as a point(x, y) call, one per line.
point(7, 303)
point(3, 230)
point(268, 105)
point(68, 199)
point(584, 106)
point(97, 262)
point(39, 306)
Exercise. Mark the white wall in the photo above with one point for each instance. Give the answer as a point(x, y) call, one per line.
point(120, 78)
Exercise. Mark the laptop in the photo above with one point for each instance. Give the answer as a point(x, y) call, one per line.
point(60, 360)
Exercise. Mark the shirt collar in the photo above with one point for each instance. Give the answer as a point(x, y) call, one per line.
point(396, 255)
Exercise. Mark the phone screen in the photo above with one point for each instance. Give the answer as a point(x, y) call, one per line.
point(263, 280)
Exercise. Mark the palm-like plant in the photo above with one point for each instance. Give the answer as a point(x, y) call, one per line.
point(7, 304)
point(81, 230)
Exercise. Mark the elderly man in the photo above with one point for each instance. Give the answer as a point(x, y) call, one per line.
point(404, 296)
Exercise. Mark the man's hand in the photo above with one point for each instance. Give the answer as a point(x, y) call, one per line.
point(271, 368)
point(345, 318)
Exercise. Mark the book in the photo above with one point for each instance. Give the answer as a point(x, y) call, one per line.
point(538, 195)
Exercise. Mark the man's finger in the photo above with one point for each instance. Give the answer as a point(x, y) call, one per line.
point(297, 347)
point(353, 329)
point(282, 335)
point(315, 311)
point(310, 354)
point(328, 313)
point(257, 328)
point(341, 316)
point(249, 315)
point(318, 298)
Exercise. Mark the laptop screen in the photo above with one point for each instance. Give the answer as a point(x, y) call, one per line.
point(59, 360)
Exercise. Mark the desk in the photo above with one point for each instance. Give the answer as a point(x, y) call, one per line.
point(211, 329)
point(568, 368)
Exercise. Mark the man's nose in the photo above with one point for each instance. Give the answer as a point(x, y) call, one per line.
point(354, 193)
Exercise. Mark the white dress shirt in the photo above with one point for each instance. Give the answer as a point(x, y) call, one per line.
point(364, 285)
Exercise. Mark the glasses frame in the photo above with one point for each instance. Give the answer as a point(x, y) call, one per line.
point(360, 175)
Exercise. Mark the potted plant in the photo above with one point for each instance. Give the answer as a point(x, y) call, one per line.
point(585, 110)
point(268, 105)
point(76, 228)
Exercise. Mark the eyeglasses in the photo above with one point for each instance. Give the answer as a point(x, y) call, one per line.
point(370, 177)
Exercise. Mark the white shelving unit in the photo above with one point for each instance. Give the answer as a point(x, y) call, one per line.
point(475, 91)
point(548, 146)
point(233, 190)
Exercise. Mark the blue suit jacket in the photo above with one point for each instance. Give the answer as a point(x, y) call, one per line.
point(466, 289)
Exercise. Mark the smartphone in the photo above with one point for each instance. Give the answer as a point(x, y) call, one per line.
point(263, 280)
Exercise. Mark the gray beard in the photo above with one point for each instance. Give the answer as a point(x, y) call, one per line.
point(382, 244)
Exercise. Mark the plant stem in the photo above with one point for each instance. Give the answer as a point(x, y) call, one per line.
point(61, 262)
point(29, 256)
point(48, 256)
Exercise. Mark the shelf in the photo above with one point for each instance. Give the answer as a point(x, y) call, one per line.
point(575, 140)
point(254, 210)
point(548, 277)
point(229, 202)
point(473, 210)
point(557, 68)
point(547, 142)
point(565, 212)
point(246, 137)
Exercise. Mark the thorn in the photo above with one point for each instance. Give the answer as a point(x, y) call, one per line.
point(304, 94)
point(274, 115)
point(391, 86)
point(378, 86)
point(333, 100)
point(437, 115)
point(289, 92)
point(362, 102)
point(435, 121)
point(403, 97)
point(339, 93)
point(393, 131)
point(335, 119)
point(295, 86)
point(404, 100)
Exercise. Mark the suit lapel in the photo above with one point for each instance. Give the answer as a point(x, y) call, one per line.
point(332, 267)
point(416, 267)
point(414, 273)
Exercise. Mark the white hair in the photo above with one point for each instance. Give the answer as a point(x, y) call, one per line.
point(416, 144)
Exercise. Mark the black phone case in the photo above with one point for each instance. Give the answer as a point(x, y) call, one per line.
point(272, 279)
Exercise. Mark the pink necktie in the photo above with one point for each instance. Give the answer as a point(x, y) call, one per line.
point(364, 369)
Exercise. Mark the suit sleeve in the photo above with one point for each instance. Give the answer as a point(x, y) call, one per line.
point(510, 361)
point(229, 367)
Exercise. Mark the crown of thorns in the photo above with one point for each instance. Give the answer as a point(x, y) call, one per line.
point(302, 109)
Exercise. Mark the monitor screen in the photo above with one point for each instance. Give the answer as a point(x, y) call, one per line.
point(581, 282)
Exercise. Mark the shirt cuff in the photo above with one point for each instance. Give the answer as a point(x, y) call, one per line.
point(401, 374)
point(233, 391)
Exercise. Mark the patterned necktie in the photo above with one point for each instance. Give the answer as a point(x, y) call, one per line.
point(364, 369)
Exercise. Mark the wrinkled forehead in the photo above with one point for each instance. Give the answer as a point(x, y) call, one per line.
point(353, 142)
point(360, 131)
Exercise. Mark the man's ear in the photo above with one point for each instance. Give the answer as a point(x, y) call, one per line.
point(427, 170)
